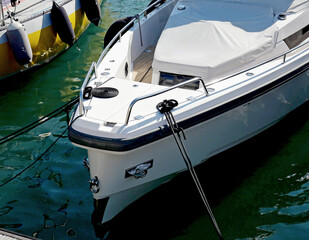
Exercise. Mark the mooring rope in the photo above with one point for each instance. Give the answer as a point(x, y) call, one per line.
point(165, 107)
point(40, 121)
point(65, 108)
point(38, 158)
point(35, 161)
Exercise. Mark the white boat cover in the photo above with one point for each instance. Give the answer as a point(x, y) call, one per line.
point(210, 37)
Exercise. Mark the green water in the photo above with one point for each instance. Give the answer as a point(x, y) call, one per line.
point(258, 190)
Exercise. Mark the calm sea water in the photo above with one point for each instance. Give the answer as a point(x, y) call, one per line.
point(258, 190)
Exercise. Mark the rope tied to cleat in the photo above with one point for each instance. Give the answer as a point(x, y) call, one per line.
point(165, 108)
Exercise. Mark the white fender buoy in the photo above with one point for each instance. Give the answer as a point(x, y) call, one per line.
point(19, 42)
point(62, 24)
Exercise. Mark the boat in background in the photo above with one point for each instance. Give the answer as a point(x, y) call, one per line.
point(220, 71)
point(33, 32)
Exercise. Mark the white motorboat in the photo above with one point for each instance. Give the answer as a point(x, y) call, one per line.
point(231, 68)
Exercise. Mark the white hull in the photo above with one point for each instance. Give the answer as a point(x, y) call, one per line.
point(237, 108)
point(203, 141)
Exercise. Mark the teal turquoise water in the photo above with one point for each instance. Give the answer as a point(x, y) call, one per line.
point(258, 190)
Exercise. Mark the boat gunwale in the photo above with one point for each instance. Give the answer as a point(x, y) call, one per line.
point(122, 145)
point(205, 85)
point(126, 144)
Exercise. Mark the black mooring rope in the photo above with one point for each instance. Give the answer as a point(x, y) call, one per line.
point(165, 107)
point(40, 121)
point(65, 108)
point(35, 161)
point(38, 158)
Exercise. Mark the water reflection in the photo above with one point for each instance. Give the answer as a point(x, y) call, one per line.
point(258, 191)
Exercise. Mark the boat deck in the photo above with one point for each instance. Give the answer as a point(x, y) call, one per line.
point(8, 235)
point(142, 66)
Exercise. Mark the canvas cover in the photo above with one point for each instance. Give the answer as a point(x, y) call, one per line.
point(209, 37)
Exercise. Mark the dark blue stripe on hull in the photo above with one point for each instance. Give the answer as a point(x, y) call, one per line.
point(113, 144)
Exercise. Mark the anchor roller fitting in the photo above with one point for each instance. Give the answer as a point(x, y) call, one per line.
point(94, 185)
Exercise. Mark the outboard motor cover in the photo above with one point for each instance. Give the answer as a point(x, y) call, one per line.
point(92, 10)
point(62, 24)
point(19, 42)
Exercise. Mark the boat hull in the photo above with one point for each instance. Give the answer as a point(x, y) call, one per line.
point(218, 130)
point(133, 151)
point(45, 42)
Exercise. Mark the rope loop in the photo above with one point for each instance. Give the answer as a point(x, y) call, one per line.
point(167, 105)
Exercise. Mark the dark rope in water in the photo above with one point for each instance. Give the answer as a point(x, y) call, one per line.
point(37, 159)
point(40, 121)
point(165, 107)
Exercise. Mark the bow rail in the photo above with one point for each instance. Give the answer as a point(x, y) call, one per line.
point(161, 92)
point(137, 17)
point(118, 35)
point(85, 83)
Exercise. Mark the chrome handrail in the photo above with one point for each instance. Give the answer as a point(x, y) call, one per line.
point(86, 80)
point(95, 64)
point(119, 34)
point(283, 55)
point(211, 83)
point(160, 92)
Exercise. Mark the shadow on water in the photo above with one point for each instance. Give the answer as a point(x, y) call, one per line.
point(21, 79)
point(169, 210)
point(16, 81)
